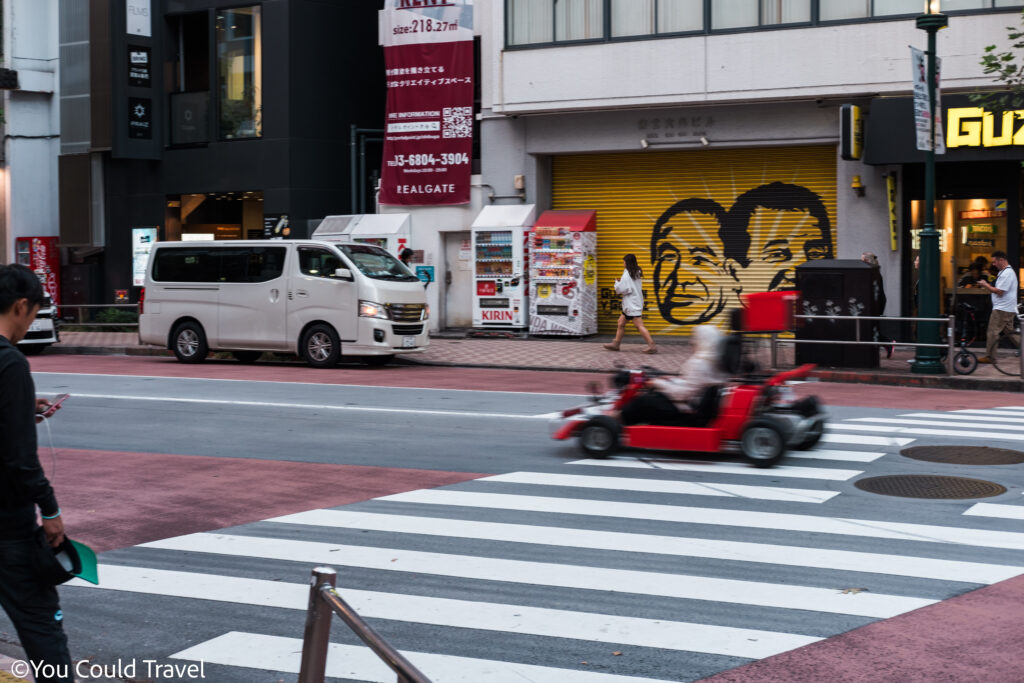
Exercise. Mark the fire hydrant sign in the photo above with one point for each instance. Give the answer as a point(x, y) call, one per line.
point(428, 138)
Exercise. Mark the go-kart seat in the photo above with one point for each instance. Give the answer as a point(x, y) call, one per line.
point(706, 410)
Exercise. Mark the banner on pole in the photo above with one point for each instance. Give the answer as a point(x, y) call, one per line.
point(428, 132)
point(922, 109)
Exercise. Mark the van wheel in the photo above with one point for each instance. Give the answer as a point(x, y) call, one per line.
point(189, 343)
point(247, 356)
point(378, 360)
point(32, 349)
point(321, 346)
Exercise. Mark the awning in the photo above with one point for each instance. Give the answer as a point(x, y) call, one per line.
point(378, 224)
point(577, 221)
point(503, 216)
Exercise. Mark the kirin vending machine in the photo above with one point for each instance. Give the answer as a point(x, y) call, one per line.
point(563, 273)
point(500, 266)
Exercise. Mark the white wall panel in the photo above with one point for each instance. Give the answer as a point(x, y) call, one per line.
point(862, 58)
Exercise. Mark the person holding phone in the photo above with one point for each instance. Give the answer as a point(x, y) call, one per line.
point(29, 600)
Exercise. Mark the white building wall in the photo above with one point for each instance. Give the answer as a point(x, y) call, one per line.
point(31, 141)
point(865, 58)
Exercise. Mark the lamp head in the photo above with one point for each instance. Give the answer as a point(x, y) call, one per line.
point(933, 6)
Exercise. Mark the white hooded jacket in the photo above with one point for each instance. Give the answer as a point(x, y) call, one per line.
point(632, 294)
point(699, 371)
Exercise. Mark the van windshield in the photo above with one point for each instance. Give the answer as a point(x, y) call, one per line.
point(376, 263)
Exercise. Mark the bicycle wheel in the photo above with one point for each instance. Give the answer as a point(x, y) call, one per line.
point(1007, 361)
point(965, 362)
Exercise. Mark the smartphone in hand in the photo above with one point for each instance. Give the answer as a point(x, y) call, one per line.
point(56, 403)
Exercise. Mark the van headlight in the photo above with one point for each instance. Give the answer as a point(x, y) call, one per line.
point(426, 312)
point(370, 309)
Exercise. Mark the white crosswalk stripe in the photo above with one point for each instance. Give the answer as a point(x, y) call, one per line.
point(693, 566)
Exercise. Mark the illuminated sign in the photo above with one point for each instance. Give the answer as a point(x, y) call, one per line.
point(894, 223)
point(975, 127)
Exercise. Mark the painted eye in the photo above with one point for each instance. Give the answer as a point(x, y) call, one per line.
point(778, 255)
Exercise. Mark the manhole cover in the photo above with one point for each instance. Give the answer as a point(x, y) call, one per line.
point(965, 455)
point(929, 486)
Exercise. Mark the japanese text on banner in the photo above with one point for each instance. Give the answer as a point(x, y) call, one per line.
point(428, 138)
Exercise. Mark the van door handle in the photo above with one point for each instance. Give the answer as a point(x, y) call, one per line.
point(275, 294)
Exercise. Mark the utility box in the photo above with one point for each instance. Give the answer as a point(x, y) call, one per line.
point(838, 287)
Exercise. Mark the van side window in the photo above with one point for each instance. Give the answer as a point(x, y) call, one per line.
point(186, 265)
point(318, 262)
point(252, 264)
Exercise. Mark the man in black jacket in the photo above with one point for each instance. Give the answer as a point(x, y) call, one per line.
point(30, 601)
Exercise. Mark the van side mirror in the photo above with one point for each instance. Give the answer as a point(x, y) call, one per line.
point(343, 274)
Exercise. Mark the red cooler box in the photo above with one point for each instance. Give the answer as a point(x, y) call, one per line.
point(769, 311)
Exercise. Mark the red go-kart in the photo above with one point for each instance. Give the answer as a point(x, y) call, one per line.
point(760, 416)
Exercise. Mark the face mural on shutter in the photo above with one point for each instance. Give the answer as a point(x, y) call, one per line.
point(755, 246)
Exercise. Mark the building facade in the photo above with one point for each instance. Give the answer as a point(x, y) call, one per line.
point(200, 119)
point(30, 124)
point(706, 136)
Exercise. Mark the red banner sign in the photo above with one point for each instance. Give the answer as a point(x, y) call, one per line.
point(428, 138)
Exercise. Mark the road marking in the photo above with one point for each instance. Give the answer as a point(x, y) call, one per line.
point(305, 384)
point(999, 421)
point(939, 432)
point(717, 517)
point(484, 616)
point(740, 551)
point(307, 406)
point(724, 468)
point(996, 510)
point(839, 456)
point(937, 423)
point(863, 440)
point(350, 662)
point(987, 411)
point(627, 581)
point(662, 486)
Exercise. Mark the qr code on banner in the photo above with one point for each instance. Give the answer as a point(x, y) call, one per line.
point(458, 122)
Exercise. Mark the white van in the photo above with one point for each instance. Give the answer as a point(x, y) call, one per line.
point(316, 299)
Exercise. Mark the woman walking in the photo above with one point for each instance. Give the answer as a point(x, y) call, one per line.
point(629, 288)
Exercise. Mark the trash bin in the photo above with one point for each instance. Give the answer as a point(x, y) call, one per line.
point(838, 287)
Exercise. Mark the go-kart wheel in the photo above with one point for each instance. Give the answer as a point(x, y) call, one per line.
point(813, 435)
point(599, 436)
point(763, 442)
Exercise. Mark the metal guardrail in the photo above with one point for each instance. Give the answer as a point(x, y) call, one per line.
point(81, 308)
point(949, 345)
point(324, 599)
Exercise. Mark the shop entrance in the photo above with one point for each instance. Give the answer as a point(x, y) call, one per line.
point(969, 231)
point(215, 216)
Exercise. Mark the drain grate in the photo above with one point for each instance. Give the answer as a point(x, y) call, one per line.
point(929, 486)
point(964, 455)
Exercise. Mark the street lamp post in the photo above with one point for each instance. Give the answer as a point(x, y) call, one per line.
point(926, 360)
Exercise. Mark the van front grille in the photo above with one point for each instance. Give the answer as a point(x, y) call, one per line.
point(408, 329)
point(406, 313)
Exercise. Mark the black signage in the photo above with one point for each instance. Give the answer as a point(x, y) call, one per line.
point(275, 226)
point(140, 118)
point(139, 73)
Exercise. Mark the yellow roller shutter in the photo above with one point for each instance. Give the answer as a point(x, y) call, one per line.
point(705, 225)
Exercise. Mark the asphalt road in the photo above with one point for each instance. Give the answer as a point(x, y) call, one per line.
point(479, 545)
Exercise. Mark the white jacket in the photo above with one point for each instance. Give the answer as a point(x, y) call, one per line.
point(699, 371)
point(632, 294)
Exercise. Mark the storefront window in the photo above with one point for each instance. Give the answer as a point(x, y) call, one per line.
point(969, 231)
point(239, 71)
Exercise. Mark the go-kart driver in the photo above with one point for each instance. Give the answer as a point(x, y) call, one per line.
point(672, 397)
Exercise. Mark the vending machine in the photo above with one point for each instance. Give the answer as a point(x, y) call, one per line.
point(42, 255)
point(563, 273)
point(500, 266)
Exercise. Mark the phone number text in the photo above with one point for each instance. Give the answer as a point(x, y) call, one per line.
point(445, 159)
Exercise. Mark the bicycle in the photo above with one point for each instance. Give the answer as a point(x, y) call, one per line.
point(966, 331)
point(1007, 359)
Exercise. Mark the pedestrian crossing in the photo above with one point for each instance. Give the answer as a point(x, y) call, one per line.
point(634, 569)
